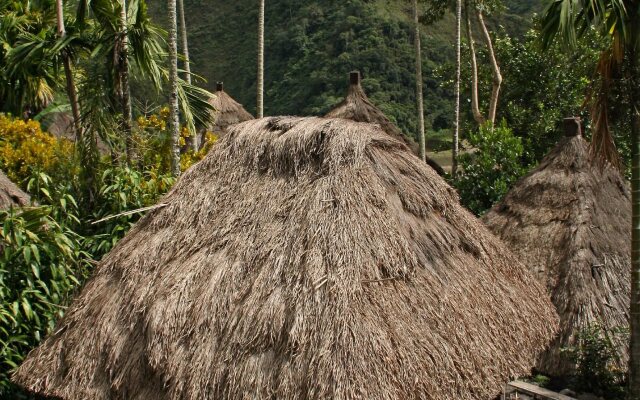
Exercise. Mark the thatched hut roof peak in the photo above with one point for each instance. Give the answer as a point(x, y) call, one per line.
point(11, 195)
point(357, 107)
point(569, 220)
point(226, 111)
point(354, 78)
point(303, 258)
point(572, 126)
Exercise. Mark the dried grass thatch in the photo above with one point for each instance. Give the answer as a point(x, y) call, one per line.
point(357, 107)
point(11, 195)
point(303, 258)
point(570, 221)
point(226, 112)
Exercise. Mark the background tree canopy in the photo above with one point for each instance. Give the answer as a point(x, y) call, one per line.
point(311, 45)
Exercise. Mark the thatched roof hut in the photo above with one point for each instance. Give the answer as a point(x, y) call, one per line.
point(356, 106)
point(11, 195)
point(226, 112)
point(302, 258)
point(570, 222)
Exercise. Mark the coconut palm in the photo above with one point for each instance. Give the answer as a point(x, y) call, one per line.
point(618, 20)
point(185, 41)
point(419, 94)
point(185, 54)
point(174, 122)
point(121, 53)
point(456, 131)
point(71, 85)
point(260, 83)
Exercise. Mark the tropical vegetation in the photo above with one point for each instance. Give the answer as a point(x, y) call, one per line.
point(128, 82)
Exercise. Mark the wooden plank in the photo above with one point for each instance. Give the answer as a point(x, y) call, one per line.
point(537, 391)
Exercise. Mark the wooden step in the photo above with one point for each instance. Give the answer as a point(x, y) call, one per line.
point(534, 392)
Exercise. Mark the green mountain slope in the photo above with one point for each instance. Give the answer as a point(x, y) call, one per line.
point(311, 45)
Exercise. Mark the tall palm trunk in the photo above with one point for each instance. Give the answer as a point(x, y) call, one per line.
point(419, 95)
point(72, 93)
point(185, 42)
point(260, 83)
point(174, 122)
point(125, 89)
point(456, 131)
point(475, 107)
point(634, 82)
point(187, 67)
point(495, 68)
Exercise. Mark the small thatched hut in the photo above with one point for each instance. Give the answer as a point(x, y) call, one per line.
point(570, 222)
point(356, 106)
point(11, 195)
point(303, 258)
point(226, 112)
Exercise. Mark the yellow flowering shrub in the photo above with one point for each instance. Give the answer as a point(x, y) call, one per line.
point(189, 158)
point(25, 148)
point(154, 143)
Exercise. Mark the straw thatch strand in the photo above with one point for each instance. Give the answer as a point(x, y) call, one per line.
point(11, 195)
point(570, 221)
point(357, 107)
point(303, 258)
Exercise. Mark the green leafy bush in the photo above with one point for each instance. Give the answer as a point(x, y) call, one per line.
point(596, 359)
point(489, 171)
point(41, 265)
point(123, 189)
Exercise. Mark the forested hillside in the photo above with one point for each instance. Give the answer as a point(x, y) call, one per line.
point(312, 44)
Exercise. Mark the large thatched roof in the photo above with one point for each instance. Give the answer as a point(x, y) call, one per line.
point(11, 195)
point(227, 111)
point(570, 222)
point(303, 258)
point(356, 106)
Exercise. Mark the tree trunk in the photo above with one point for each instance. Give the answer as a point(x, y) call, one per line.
point(72, 93)
point(185, 42)
point(260, 83)
point(419, 98)
point(634, 314)
point(125, 90)
point(475, 107)
point(456, 130)
point(187, 67)
point(495, 68)
point(174, 122)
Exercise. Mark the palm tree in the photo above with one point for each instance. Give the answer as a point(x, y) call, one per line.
point(174, 122)
point(71, 85)
point(419, 94)
point(185, 42)
point(27, 29)
point(121, 53)
point(456, 131)
point(619, 20)
point(185, 54)
point(260, 83)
